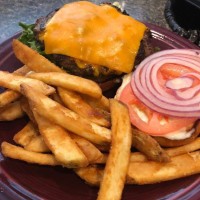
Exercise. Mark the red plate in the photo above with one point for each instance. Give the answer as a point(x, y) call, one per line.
point(19, 180)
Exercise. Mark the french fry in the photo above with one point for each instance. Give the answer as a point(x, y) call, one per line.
point(15, 152)
point(74, 102)
point(71, 82)
point(69, 120)
point(31, 141)
point(8, 96)
point(118, 160)
point(192, 146)
point(57, 98)
point(32, 59)
point(134, 157)
point(26, 108)
point(24, 136)
point(102, 103)
point(11, 112)
point(150, 147)
point(13, 82)
point(153, 172)
point(37, 144)
point(138, 157)
point(148, 172)
point(92, 174)
point(102, 159)
point(29, 138)
point(103, 148)
point(60, 143)
point(176, 151)
point(90, 151)
point(22, 71)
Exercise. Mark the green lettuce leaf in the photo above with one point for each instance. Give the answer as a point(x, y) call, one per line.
point(27, 37)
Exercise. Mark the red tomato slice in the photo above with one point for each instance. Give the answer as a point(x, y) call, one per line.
point(154, 126)
point(171, 70)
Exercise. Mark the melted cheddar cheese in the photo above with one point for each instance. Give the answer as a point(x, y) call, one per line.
point(96, 34)
point(82, 64)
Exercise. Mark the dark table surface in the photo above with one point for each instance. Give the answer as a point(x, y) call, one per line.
point(27, 11)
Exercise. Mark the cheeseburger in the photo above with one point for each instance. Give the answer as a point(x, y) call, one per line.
point(98, 42)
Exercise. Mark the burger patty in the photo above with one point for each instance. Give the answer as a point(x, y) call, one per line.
point(104, 74)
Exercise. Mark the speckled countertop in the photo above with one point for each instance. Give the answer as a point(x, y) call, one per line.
point(27, 11)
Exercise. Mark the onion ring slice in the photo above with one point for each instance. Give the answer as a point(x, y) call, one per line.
point(146, 87)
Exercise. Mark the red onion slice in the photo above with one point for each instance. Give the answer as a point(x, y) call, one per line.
point(188, 94)
point(153, 93)
point(146, 87)
point(160, 110)
point(179, 83)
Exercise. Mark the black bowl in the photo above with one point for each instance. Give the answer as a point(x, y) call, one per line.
point(183, 18)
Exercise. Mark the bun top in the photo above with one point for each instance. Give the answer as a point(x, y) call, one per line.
point(97, 34)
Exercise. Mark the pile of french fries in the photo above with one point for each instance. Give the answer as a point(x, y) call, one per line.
point(73, 125)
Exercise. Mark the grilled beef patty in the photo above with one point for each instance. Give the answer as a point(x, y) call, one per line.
point(104, 73)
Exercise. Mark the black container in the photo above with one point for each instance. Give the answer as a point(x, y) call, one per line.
point(183, 17)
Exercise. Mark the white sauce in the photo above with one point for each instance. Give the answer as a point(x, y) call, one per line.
point(142, 115)
point(125, 80)
point(176, 135)
point(180, 134)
